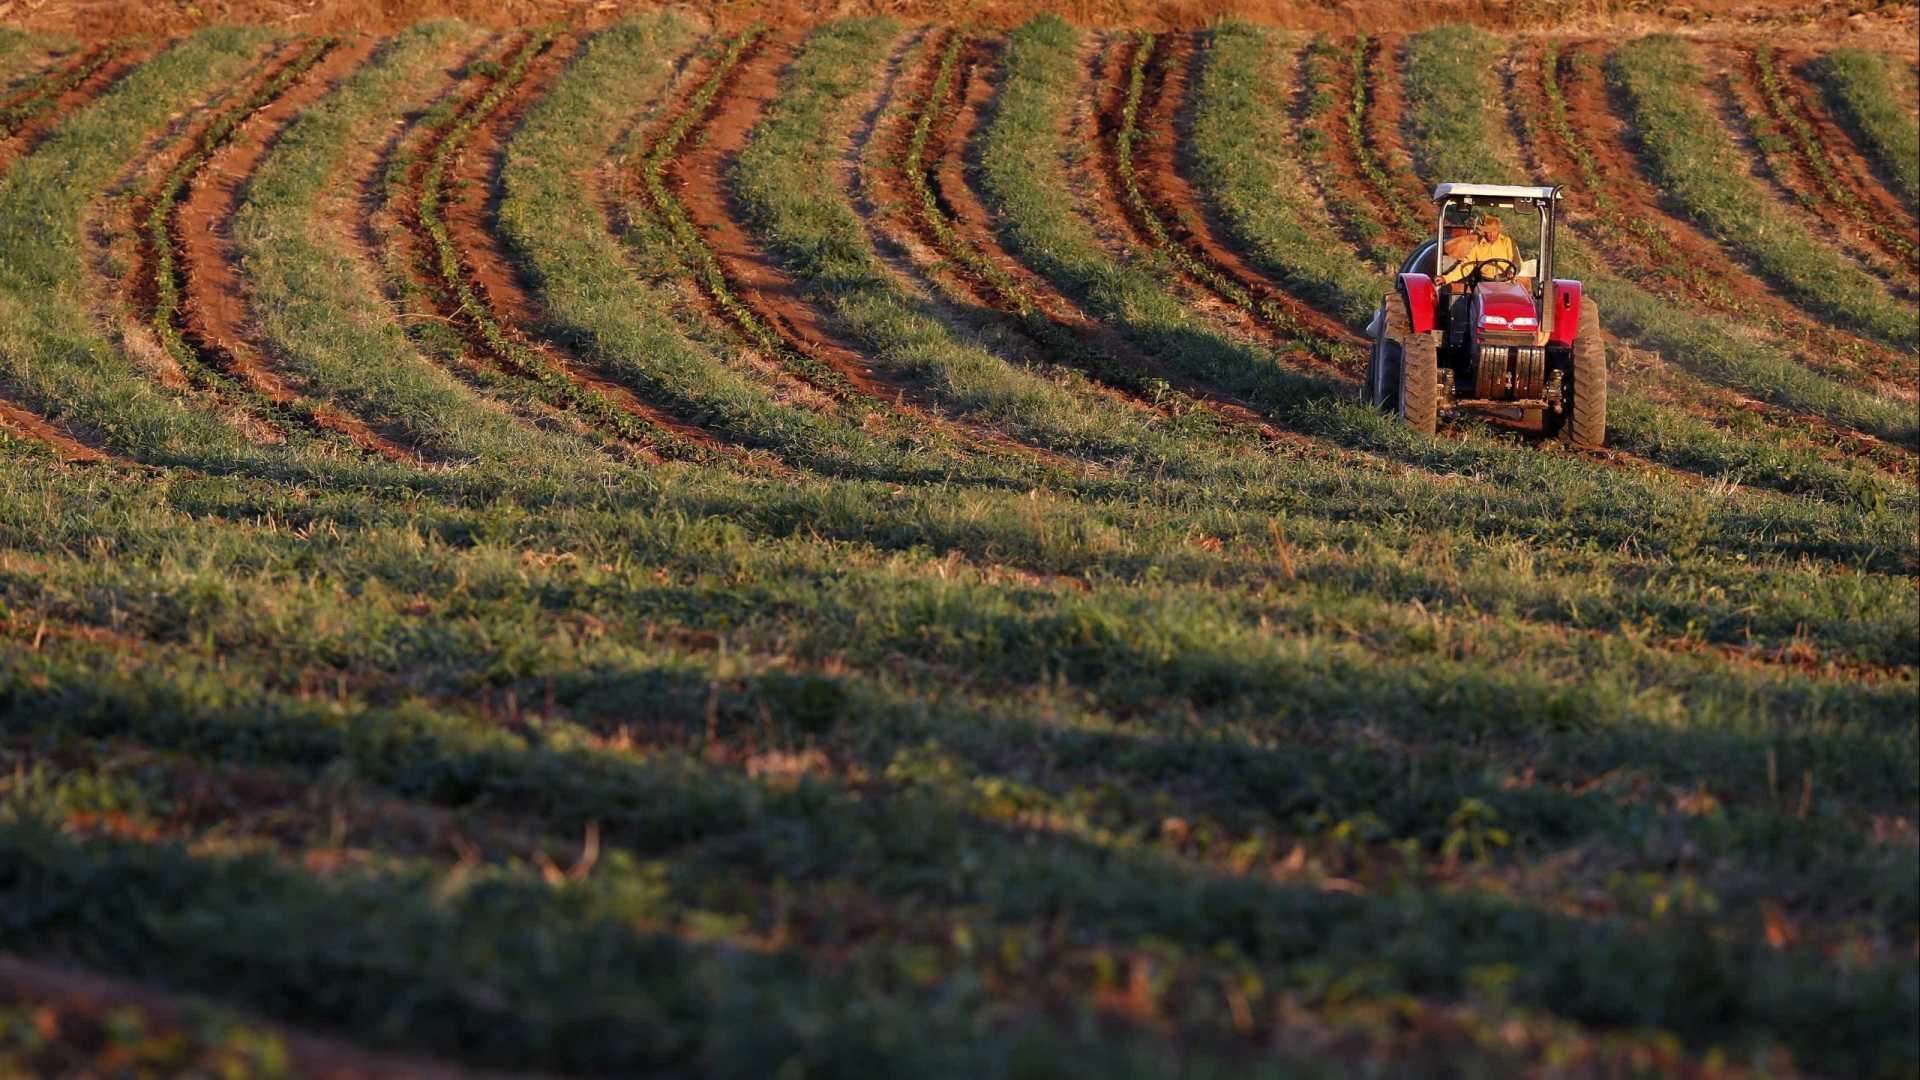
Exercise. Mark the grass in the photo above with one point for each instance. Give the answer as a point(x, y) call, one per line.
point(1687, 151)
point(1361, 752)
point(320, 314)
point(55, 356)
point(1239, 111)
point(1861, 91)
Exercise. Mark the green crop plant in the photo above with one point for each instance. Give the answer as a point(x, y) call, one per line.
point(1687, 151)
point(1861, 90)
point(1170, 248)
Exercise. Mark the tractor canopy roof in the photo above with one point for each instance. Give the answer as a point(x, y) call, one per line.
point(1493, 193)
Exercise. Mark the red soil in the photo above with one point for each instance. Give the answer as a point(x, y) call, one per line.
point(216, 318)
point(29, 425)
point(1347, 181)
point(1381, 124)
point(1863, 200)
point(1815, 22)
point(1013, 288)
point(1164, 175)
point(1156, 135)
point(698, 177)
point(1549, 156)
point(469, 210)
point(1698, 268)
point(22, 140)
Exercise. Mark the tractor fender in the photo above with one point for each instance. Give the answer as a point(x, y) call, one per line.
point(1422, 304)
point(1563, 300)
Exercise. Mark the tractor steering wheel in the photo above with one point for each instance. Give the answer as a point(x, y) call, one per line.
point(1494, 270)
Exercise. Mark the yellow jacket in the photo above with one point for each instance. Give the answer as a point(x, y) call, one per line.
point(1482, 251)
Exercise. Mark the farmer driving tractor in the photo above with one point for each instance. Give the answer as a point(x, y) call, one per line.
point(1483, 241)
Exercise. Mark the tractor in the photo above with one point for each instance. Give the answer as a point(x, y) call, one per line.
point(1498, 337)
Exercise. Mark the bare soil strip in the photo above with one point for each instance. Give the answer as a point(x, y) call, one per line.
point(1730, 98)
point(100, 69)
point(216, 319)
point(1349, 183)
point(77, 1005)
point(1668, 253)
point(473, 280)
point(928, 205)
point(1631, 237)
point(163, 263)
point(1163, 169)
point(697, 176)
point(1840, 188)
point(1119, 100)
point(30, 425)
point(1381, 121)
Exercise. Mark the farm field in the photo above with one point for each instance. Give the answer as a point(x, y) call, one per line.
point(856, 549)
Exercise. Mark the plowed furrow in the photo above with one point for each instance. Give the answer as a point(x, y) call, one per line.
point(1160, 172)
point(1634, 243)
point(1121, 84)
point(1382, 111)
point(926, 180)
point(449, 196)
point(168, 266)
point(30, 425)
point(43, 93)
point(30, 117)
point(1839, 197)
point(1621, 213)
point(214, 319)
point(741, 282)
point(1365, 210)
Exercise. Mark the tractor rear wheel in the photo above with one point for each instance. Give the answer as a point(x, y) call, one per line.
point(1586, 423)
point(1419, 378)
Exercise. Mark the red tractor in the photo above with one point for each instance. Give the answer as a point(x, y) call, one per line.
point(1473, 325)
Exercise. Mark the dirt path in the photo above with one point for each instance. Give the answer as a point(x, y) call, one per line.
point(216, 319)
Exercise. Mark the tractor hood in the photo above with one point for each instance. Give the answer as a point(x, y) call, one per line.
point(1505, 307)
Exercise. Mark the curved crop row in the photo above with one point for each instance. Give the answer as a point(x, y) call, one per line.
point(1454, 136)
point(1686, 151)
point(1064, 339)
point(55, 353)
point(46, 90)
point(157, 225)
point(1126, 134)
point(811, 226)
point(556, 385)
point(318, 311)
point(713, 279)
point(1861, 90)
point(1240, 116)
point(1782, 106)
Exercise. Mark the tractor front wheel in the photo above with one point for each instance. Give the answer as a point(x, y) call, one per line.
point(1586, 423)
